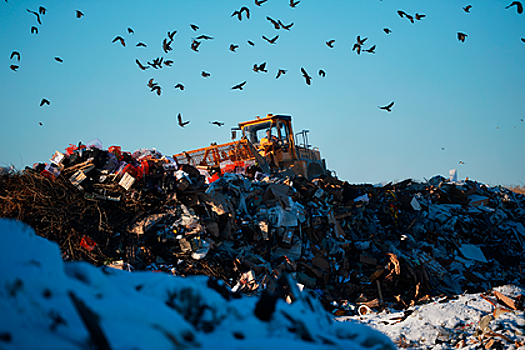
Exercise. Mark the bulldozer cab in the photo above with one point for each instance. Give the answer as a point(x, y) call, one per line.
point(280, 127)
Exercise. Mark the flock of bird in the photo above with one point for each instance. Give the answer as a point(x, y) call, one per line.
point(240, 14)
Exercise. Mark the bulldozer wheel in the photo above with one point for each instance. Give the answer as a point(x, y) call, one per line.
point(314, 170)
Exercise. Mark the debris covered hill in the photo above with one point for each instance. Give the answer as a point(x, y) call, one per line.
point(348, 245)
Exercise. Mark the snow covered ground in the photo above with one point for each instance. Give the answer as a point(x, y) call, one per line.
point(47, 303)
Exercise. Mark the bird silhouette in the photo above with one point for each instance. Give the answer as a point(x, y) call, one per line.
point(360, 41)
point(181, 123)
point(286, 27)
point(371, 49)
point(205, 37)
point(387, 107)
point(195, 45)
point(79, 13)
point(419, 16)
point(260, 2)
point(357, 48)
point(387, 30)
point(467, 8)
point(44, 101)
point(166, 45)
point(402, 14)
point(42, 10)
point(523, 39)
point(179, 86)
point(461, 162)
point(251, 43)
point(157, 89)
point(280, 72)
point(519, 6)
point(294, 3)
point(168, 63)
point(322, 73)
point(59, 59)
point(194, 27)
point(36, 14)
point(218, 123)
point(40, 123)
point(239, 12)
point(276, 24)
point(330, 43)
point(171, 35)
point(272, 40)
point(462, 36)
point(14, 67)
point(15, 54)
point(260, 68)
point(239, 86)
point(140, 43)
point(205, 74)
point(121, 39)
point(307, 78)
point(131, 31)
point(233, 47)
point(34, 30)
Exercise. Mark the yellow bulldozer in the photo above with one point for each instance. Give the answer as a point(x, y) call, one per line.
point(284, 152)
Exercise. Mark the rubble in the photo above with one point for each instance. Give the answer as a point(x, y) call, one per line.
point(355, 247)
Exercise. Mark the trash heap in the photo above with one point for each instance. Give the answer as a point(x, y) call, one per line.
point(355, 247)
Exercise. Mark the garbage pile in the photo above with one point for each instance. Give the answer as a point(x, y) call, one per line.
point(355, 247)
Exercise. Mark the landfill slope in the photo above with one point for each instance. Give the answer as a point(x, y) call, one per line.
point(347, 245)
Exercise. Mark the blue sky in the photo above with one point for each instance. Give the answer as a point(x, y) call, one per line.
point(454, 102)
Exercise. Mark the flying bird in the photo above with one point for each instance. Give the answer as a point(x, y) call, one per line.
point(181, 123)
point(154, 87)
point(79, 13)
point(250, 42)
point(240, 11)
point(194, 27)
point(467, 8)
point(461, 162)
point(387, 30)
point(172, 34)
point(44, 101)
point(239, 86)
point(205, 74)
point(42, 10)
point(294, 3)
point(360, 41)
point(519, 6)
point(195, 45)
point(419, 16)
point(307, 78)
point(34, 30)
point(276, 24)
point(40, 123)
point(402, 13)
point(130, 30)
point(233, 47)
point(272, 40)
point(387, 107)
point(260, 68)
point(166, 45)
point(523, 39)
point(322, 73)
point(168, 63)
point(357, 48)
point(36, 14)
point(121, 39)
point(14, 67)
point(205, 37)
point(13, 54)
point(59, 59)
point(218, 123)
point(179, 86)
point(286, 27)
point(280, 72)
point(141, 66)
point(462, 37)
point(330, 43)
point(260, 2)
point(140, 43)
point(371, 49)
